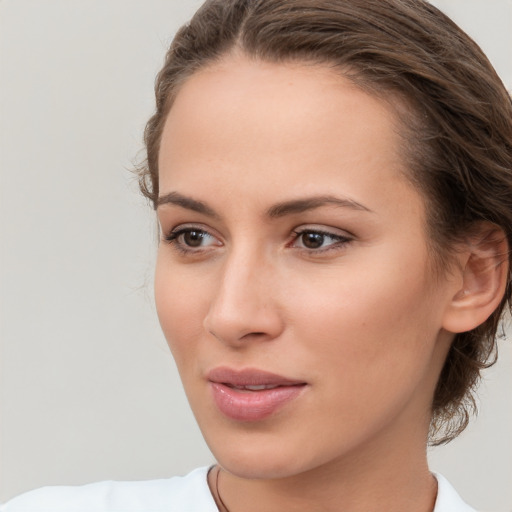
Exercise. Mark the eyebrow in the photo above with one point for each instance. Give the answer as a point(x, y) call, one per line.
point(187, 203)
point(275, 211)
point(310, 203)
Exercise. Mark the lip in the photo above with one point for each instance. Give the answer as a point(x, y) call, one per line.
point(231, 395)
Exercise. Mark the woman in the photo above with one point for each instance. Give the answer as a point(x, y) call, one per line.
point(333, 186)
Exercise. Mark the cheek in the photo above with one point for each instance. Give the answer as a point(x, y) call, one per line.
point(368, 318)
point(369, 349)
point(179, 305)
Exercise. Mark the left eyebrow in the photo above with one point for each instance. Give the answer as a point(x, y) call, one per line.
point(310, 203)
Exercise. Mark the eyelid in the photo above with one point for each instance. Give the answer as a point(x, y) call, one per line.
point(173, 235)
point(326, 230)
point(185, 226)
point(340, 238)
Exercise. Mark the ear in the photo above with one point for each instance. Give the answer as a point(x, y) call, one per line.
point(484, 270)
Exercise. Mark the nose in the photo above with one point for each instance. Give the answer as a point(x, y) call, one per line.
point(245, 306)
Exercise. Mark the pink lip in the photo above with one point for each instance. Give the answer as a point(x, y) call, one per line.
point(251, 405)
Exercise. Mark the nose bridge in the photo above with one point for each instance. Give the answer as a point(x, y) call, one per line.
point(244, 304)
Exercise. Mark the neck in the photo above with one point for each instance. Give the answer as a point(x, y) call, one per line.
point(378, 480)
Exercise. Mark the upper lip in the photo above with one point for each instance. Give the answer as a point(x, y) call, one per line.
point(249, 377)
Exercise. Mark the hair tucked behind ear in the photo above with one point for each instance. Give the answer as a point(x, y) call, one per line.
point(457, 132)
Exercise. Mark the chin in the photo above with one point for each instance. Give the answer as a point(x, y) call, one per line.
point(246, 456)
point(263, 456)
point(257, 467)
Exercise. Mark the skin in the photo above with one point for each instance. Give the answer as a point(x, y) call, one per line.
point(361, 319)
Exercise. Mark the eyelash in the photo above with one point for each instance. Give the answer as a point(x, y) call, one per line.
point(339, 241)
point(173, 238)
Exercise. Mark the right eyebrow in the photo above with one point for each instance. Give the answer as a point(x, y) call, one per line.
point(187, 203)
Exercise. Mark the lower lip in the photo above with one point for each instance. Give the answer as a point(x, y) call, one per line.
point(243, 405)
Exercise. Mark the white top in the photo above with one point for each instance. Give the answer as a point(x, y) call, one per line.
point(179, 494)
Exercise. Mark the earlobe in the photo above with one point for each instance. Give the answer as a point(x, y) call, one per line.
point(484, 268)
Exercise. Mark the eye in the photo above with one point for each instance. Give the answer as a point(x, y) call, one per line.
point(318, 240)
point(194, 238)
point(191, 239)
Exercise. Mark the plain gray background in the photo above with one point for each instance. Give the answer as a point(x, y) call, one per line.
point(88, 388)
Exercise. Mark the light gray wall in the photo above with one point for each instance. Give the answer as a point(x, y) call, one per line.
point(88, 388)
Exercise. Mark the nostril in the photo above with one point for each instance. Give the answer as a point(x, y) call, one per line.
point(250, 335)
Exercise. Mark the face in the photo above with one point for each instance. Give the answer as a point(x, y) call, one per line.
point(293, 279)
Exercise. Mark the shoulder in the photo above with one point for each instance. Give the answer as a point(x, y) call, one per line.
point(179, 494)
point(447, 498)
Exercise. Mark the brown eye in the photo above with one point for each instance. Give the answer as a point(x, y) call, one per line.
point(318, 241)
point(194, 238)
point(312, 240)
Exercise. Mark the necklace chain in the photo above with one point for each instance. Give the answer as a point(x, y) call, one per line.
point(217, 492)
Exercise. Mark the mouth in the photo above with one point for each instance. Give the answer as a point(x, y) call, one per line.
point(251, 388)
point(251, 395)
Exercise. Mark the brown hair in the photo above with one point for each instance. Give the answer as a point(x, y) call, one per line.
point(459, 132)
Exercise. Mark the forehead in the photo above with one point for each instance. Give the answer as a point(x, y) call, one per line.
point(296, 125)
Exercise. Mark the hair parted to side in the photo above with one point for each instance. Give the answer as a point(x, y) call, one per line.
point(458, 133)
